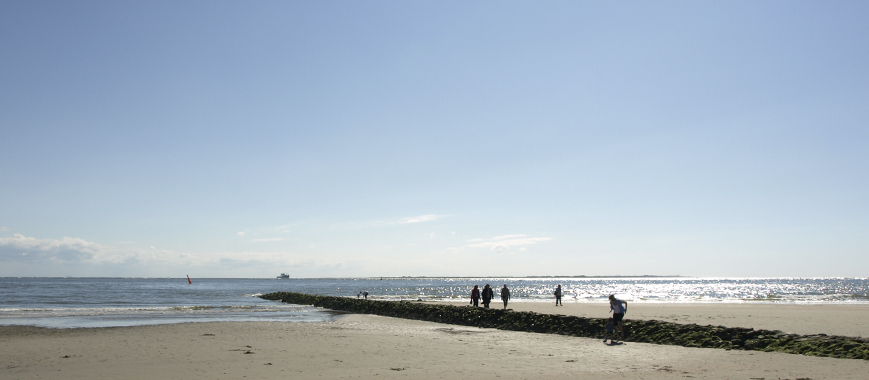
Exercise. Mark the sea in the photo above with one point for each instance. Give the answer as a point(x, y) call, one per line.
point(105, 302)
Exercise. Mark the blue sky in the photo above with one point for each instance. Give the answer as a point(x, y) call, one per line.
point(391, 138)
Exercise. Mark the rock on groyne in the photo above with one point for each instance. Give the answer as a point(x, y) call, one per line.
point(646, 331)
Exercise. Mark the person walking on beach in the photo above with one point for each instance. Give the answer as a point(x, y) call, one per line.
point(475, 296)
point(619, 308)
point(558, 296)
point(505, 295)
point(488, 294)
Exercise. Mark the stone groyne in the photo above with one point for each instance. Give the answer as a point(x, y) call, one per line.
point(645, 331)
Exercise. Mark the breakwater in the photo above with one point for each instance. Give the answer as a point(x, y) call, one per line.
point(645, 331)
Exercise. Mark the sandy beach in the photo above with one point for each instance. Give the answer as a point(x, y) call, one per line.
point(366, 346)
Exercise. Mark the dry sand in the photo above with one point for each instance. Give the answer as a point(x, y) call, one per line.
point(365, 346)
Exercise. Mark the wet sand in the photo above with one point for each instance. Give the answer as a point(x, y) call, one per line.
point(365, 347)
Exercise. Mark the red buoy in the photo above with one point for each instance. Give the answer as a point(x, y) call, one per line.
point(188, 279)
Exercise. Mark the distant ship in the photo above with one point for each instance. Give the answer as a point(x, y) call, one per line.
point(284, 276)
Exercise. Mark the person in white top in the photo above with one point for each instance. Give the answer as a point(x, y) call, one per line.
point(619, 308)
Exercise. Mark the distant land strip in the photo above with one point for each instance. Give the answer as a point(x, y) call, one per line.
point(644, 331)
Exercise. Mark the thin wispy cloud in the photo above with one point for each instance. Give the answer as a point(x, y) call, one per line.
point(285, 228)
point(506, 242)
point(502, 237)
point(4, 228)
point(268, 239)
point(266, 230)
point(419, 219)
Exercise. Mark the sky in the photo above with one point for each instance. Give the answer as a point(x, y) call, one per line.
point(434, 138)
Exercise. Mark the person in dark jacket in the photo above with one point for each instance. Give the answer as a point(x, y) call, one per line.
point(558, 295)
point(488, 294)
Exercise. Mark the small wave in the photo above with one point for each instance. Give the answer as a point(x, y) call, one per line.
point(145, 311)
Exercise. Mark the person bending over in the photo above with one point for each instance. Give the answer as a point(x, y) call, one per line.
point(619, 308)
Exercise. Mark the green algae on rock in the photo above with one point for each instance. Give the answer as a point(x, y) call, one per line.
point(646, 331)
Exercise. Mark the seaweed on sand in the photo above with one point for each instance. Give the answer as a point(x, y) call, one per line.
point(646, 331)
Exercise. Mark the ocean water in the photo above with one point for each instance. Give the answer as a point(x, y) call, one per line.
point(103, 302)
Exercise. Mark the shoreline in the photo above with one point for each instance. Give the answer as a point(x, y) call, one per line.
point(804, 319)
